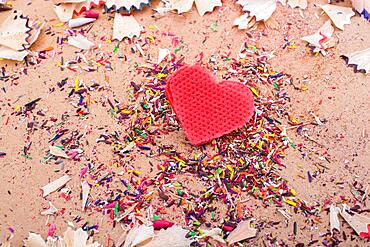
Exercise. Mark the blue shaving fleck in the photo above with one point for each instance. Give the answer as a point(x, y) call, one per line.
point(365, 14)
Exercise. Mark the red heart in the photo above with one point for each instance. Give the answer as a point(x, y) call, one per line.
point(205, 108)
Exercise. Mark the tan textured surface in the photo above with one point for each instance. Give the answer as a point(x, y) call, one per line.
point(334, 93)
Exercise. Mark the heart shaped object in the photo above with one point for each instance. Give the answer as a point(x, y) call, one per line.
point(205, 108)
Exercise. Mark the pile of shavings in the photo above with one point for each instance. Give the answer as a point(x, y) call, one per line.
point(70, 238)
point(262, 10)
point(246, 162)
point(182, 6)
point(322, 40)
point(243, 164)
point(231, 168)
point(125, 25)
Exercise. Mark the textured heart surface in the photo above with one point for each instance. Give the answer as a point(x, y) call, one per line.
point(208, 109)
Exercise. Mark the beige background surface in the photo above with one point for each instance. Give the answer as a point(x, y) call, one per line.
point(335, 93)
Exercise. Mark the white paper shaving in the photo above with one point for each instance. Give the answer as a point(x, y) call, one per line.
point(261, 9)
point(162, 54)
point(333, 217)
point(361, 59)
point(80, 42)
point(174, 236)
point(125, 27)
point(80, 22)
point(139, 235)
point(58, 152)
point(51, 210)
point(339, 15)
point(244, 21)
point(71, 238)
point(85, 193)
point(64, 12)
point(56, 184)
